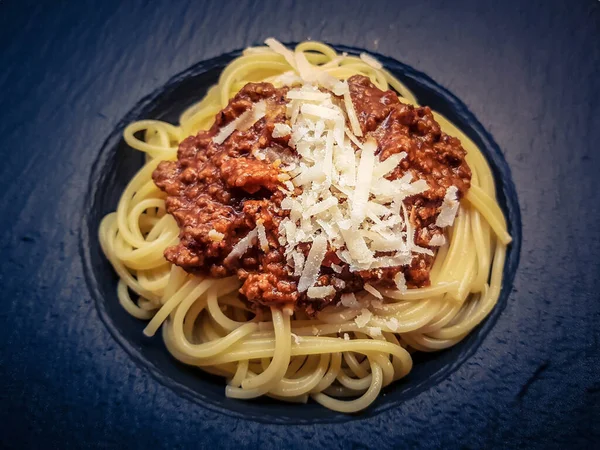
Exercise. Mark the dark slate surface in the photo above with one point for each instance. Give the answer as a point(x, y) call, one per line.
point(70, 71)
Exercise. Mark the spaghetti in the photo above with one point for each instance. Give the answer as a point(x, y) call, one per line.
point(343, 356)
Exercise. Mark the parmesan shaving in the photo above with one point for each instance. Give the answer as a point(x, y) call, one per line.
point(306, 70)
point(336, 268)
point(356, 245)
point(423, 250)
point(353, 138)
point(335, 190)
point(363, 181)
point(338, 283)
point(278, 47)
point(311, 270)
point(400, 259)
point(262, 236)
point(320, 207)
point(400, 281)
point(364, 318)
point(385, 167)
point(437, 240)
point(289, 78)
point(449, 208)
point(298, 258)
point(281, 130)
point(320, 112)
point(320, 291)
point(418, 187)
point(333, 84)
point(242, 246)
point(349, 301)
point(314, 96)
point(375, 331)
point(410, 232)
point(383, 244)
point(371, 290)
point(215, 236)
point(242, 123)
point(354, 124)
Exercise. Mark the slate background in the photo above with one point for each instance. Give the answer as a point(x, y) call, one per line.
point(529, 71)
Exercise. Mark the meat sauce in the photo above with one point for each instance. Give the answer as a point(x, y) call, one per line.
point(227, 189)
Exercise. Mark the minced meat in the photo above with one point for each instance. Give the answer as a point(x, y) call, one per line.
point(228, 189)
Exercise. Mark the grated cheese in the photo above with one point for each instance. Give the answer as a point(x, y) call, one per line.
point(309, 96)
point(353, 138)
point(375, 331)
point(437, 240)
point(281, 130)
point(357, 246)
point(289, 185)
point(349, 301)
point(363, 181)
point(298, 259)
point(320, 207)
point(262, 236)
point(350, 111)
point(312, 267)
point(333, 84)
point(319, 112)
point(449, 208)
point(364, 318)
point(423, 250)
point(336, 191)
point(279, 48)
point(338, 283)
point(410, 232)
point(330, 231)
point(371, 290)
point(383, 244)
point(385, 167)
point(399, 259)
point(400, 281)
point(289, 78)
point(243, 245)
point(242, 123)
point(215, 236)
point(320, 291)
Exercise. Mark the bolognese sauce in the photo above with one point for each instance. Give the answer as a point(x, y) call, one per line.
point(219, 192)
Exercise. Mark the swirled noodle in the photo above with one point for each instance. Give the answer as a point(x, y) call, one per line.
point(292, 357)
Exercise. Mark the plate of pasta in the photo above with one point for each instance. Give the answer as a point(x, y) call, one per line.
point(303, 232)
point(299, 225)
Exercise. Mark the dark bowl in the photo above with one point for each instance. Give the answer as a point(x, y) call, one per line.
point(117, 163)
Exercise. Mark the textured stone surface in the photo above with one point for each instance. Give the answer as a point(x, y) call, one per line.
point(529, 71)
